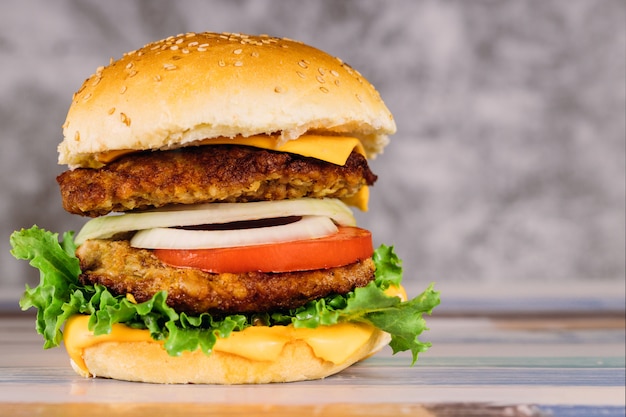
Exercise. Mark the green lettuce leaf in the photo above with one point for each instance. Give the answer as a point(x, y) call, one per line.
point(59, 295)
point(388, 267)
point(59, 271)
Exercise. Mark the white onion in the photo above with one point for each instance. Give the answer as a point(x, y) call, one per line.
point(308, 227)
point(214, 213)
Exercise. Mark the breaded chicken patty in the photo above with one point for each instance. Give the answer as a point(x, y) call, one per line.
point(127, 270)
point(204, 174)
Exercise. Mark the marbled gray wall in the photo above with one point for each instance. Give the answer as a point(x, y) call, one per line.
point(509, 161)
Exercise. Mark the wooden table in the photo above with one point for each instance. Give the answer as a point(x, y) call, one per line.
point(498, 361)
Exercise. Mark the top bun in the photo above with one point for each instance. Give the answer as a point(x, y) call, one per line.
point(191, 87)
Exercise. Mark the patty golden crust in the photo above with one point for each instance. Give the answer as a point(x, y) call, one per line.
point(205, 174)
point(127, 270)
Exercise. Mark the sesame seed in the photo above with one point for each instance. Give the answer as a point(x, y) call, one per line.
point(169, 67)
point(129, 65)
point(174, 47)
point(192, 44)
point(303, 64)
point(301, 75)
point(278, 89)
point(335, 73)
point(237, 51)
point(321, 71)
point(324, 89)
point(111, 111)
point(200, 49)
point(125, 119)
point(204, 45)
point(77, 136)
point(157, 78)
point(238, 64)
point(358, 97)
point(185, 51)
point(178, 42)
point(221, 63)
point(87, 97)
point(132, 73)
point(320, 79)
point(123, 89)
point(254, 54)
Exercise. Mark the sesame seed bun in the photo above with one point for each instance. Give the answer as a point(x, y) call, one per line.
point(191, 87)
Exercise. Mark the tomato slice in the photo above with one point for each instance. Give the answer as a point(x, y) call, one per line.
point(347, 246)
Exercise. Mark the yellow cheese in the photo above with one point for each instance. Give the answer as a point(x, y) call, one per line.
point(360, 200)
point(398, 291)
point(333, 149)
point(332, 343)
point(77, 337)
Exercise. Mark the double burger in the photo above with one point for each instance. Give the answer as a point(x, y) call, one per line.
point(220, 173)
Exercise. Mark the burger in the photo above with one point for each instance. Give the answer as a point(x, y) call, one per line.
point(220, 173)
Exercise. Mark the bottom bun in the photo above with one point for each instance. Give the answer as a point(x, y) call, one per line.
point(147, 361)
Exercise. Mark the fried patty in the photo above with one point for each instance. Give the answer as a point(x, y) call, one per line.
point(127, 270)
point(204, 174)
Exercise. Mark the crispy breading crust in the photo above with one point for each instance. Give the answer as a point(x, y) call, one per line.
point(127, 270)
point(204, 174)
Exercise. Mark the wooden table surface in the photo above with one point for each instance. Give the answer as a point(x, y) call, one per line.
point(505, 362)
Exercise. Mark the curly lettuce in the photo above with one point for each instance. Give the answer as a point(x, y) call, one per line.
point(60, 295)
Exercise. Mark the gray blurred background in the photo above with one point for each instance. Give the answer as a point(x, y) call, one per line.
point(508, 167)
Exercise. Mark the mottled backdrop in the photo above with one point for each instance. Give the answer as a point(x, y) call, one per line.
point(509, 161)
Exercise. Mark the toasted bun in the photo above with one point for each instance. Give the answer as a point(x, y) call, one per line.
point(190, 87)
point(147, 361)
